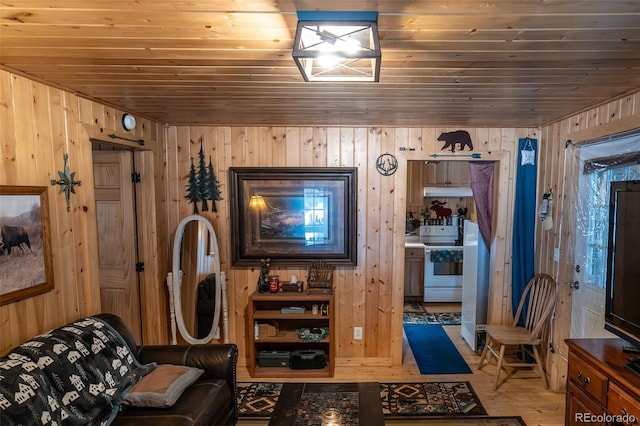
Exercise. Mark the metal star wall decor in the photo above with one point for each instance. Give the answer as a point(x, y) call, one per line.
point(66, 181)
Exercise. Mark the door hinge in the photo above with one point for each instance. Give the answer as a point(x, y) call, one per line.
point(139, 266)
point(135, 177)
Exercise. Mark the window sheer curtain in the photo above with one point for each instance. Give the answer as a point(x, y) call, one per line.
point(600, 162)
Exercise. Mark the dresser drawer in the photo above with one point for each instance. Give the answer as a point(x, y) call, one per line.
point(582, 409)
point(414, 253)
point(589, 379)
point(621, 403)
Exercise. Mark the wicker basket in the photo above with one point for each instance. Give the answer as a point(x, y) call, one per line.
point(320, 280)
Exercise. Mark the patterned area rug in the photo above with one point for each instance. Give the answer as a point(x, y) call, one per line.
point(399, 400)
point(257, 399)
point(416, 313)
point(415, 307)
point(429, 399)
point(443, 318)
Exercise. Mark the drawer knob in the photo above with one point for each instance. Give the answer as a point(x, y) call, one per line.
point(586, 381)
point(633, 419)
point(579, 374)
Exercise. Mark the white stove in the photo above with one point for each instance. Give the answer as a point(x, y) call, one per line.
point(439, 235)
point(442, 262)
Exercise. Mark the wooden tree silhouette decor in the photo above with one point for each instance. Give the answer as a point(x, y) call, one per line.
point(203, 184)
point(213, 186)
point(203, 187)
point(193, 190)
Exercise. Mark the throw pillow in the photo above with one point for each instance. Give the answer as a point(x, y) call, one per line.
point(162, 387)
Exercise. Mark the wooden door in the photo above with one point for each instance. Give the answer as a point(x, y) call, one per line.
point(590, 254)
point(115, 209)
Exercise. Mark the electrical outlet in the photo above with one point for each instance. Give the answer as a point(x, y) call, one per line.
point(357, 333)
point(556, 254)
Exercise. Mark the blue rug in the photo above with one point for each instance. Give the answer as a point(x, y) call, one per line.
point(434, 352)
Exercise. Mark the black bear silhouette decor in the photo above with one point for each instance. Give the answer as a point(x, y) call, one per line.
point(461, 137)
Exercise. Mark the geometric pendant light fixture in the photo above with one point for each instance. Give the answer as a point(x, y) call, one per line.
point(338, 46)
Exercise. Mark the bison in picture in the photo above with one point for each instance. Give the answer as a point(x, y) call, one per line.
point(13, 236)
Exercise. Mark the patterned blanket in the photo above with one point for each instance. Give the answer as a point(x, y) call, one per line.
point(72, 375)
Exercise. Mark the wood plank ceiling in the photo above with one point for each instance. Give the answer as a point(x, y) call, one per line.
point(491, 63)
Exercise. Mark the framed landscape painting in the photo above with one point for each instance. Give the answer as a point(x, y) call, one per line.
point(293, 215)
point(25, 249)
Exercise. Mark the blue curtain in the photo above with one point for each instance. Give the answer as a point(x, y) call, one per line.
point(524, 219)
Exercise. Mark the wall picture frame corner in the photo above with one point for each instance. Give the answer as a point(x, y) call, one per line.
point(26, 264)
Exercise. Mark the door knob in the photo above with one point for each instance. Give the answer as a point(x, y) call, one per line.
point(575, 285)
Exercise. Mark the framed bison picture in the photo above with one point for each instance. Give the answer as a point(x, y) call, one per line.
point(25, 247)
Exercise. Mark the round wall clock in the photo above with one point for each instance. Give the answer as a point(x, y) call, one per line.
point(387, 164)
point(128, 122)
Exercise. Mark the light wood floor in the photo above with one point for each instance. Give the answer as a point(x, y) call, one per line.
point(522, 395)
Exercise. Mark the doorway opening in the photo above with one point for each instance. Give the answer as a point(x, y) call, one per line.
point(498, 281)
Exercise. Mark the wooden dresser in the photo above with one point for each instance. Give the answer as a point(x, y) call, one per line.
point(599, 388)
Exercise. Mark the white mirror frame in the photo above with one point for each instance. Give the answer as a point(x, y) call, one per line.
point(174, 283)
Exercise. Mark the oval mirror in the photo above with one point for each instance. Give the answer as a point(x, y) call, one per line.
point(196, 285)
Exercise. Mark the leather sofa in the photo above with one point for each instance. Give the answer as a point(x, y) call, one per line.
point(82, 372)
point(211, 400)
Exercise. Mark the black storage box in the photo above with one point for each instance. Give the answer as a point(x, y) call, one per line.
point(273, 358)
point(308, 359)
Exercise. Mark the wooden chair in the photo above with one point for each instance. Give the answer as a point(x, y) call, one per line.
point(540, 296)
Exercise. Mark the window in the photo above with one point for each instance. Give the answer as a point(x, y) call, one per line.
point(316, 205)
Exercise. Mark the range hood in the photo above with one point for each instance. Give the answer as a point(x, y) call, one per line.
point(447, 191)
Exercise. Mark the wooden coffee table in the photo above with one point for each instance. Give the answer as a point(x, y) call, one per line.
point(307, 401)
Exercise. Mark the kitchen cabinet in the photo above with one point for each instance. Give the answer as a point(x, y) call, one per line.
point(414, 272)
point(266, 308)
point(598, 384)
point(446, 173)
point(415, 189)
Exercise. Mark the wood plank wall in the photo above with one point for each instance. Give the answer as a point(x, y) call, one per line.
point(559, 174)
point(41, 123)
point(38, 125)
point(370, 294)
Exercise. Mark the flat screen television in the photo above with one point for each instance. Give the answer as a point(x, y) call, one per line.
point(622, 305)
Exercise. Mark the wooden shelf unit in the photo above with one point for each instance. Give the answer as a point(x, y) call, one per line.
point(598, 384)
point(265, 307)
